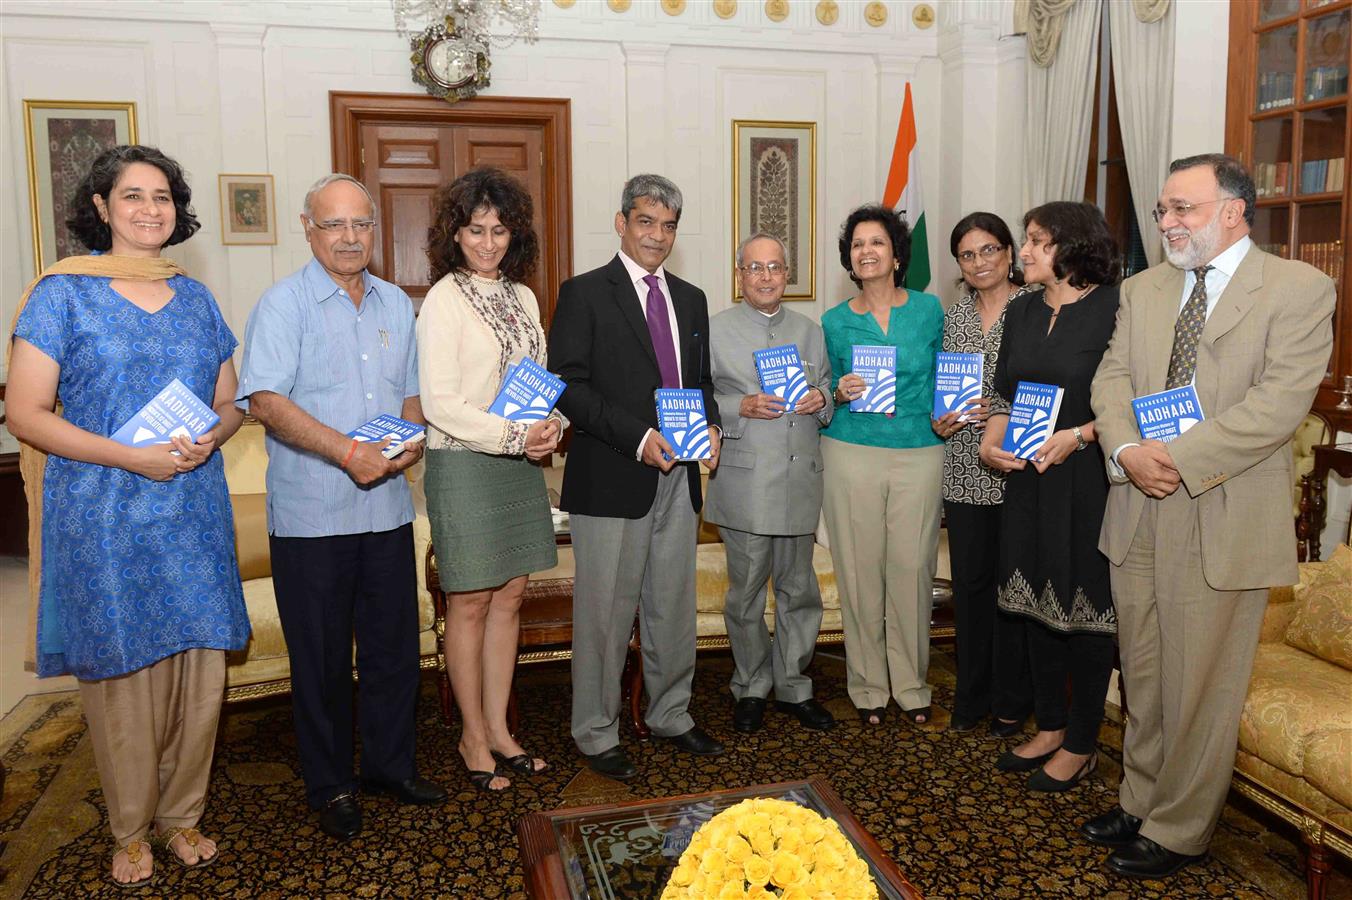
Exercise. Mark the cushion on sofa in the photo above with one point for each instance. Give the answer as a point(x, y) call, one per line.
point(1322, 623)
point(1293, 698)
point(251, 536)
point(1328, 763)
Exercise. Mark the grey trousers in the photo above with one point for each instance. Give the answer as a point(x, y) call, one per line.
point(760, 664)
point(624, 565)
point(1187, 653)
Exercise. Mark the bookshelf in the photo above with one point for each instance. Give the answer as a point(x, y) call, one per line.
point(1287, 119)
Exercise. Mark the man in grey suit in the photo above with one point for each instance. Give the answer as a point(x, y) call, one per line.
point(1199, 528)
point(767, 493)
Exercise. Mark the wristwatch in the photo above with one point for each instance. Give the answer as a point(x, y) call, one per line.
point(1080, 442)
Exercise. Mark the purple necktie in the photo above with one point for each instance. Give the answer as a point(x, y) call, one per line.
point(659, 326)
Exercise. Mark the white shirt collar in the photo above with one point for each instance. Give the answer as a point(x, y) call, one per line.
point(637, 273)
point(1228, 260)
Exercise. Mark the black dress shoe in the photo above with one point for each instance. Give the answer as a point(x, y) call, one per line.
point(1002, 729)
point(1010, 761)
point(1143, 858)
point(341, 818)
point(1115, 828)
point(961, 723)
point(611, 763)
point(695, 741)
point(748, 714)
point(809, 712)
point(416, 791)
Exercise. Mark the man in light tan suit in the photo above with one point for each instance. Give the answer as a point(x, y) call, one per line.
point(1197, 529)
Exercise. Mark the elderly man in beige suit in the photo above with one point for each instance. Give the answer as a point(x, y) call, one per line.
point(1197, 529)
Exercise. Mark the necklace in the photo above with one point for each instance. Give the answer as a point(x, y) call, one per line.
point(1078, 297)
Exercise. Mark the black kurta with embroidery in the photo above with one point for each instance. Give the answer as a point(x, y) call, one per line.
point(1050, 567)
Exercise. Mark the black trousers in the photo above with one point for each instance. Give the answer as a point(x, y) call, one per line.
point(1087, 661)
point(329, 589)
point(992, 650)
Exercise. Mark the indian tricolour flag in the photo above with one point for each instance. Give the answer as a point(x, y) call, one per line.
point(903, 193)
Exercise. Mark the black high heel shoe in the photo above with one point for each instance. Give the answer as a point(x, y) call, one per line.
point(1041, 781)
point(521, 764)
point(1010, 761)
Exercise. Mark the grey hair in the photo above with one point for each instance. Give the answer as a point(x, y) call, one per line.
point(332, 178)
point(1231, 177)
point(761, 236)
point(653, 187)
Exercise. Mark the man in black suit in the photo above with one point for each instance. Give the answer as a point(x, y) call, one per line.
point(620, 332)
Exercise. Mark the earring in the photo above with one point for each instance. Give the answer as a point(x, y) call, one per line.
point(895, 265)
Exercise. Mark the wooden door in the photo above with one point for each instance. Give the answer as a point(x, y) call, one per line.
point(405, 147)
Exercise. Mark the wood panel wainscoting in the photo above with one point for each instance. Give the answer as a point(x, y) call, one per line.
point(404, 147)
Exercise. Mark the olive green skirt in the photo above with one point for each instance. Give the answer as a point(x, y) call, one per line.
point(490, 519)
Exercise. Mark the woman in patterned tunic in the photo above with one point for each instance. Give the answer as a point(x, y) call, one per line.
point(140, 592)
point(1051, 572)
point(992, 656)
point(491, 524)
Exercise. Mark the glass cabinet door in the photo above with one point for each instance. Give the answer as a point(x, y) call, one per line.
point(1272, 156)
point(1327, 39)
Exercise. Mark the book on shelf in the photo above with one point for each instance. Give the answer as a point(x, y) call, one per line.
point(1165, 415)
point(877, 365)
point(781, 374)
point(174, 412)
point(957, 382)
point(1276, 89)
point(1322, 82)
point(402, 434)
point(1327, 256)
point(681, 418)
point(528, 393)
point(1032, 418)
point(1270, 179)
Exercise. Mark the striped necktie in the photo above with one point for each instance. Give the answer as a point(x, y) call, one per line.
point(1187, 331)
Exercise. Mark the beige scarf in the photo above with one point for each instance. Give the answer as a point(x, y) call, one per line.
point(32, 461)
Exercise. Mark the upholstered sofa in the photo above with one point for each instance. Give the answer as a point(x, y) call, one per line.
point(263, 668)
point(1295, 737)
point(546, 612)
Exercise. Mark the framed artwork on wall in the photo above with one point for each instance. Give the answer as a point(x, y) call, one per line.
point(248, 213)
point(774, 190)
point(63, 138)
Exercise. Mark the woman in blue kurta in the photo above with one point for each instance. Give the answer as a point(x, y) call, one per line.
point(140, 593)
point(883, 471)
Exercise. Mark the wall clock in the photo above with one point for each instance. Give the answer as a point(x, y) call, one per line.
point(448, 65)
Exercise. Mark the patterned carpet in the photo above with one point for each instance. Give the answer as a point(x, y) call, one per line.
point(956, 827)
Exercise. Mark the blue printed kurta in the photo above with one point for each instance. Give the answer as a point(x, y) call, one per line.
point(133, 570)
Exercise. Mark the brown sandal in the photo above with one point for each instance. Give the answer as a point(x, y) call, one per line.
point(133, 852)
point(191, 837)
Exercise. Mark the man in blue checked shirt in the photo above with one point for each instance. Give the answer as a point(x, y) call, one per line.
point(327, 349)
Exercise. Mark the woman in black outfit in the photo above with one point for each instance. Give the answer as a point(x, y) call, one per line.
point(1051, 572)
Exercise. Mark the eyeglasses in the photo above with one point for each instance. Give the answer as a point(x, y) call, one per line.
point(990, 251)
point(755, 269)
point(337, 226)
point(1182, 209)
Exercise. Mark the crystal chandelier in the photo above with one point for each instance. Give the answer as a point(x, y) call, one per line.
point(477, 22)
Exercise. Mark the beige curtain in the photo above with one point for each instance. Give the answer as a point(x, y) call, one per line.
point(1061, 104)
point(1041, 21)
point(1143, 70)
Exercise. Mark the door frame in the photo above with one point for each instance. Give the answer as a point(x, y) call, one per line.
point(349, 110)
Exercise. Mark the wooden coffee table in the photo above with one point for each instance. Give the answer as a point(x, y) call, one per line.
point(627, 850)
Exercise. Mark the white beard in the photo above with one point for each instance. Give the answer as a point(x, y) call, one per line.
point(1201, 246)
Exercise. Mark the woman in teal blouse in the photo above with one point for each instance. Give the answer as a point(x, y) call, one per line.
point(883, 472)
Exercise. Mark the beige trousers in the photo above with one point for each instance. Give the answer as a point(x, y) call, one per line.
point(154, 731)
point(882, 510)
point(1187, 652)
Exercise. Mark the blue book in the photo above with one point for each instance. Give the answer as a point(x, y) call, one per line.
point(1166, 415)
point(781, 374)
point(401, 433)
point(1032, 418)
point(174, 411)
point(528, 393)
point(681, 418)
point(957, 381)
point(877, 365)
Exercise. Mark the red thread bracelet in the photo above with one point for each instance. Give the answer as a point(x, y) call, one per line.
point(350, 450)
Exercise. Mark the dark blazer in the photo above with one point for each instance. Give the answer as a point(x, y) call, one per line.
point(600, 346)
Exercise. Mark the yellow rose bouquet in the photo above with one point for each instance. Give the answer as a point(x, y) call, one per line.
point(760, 849)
